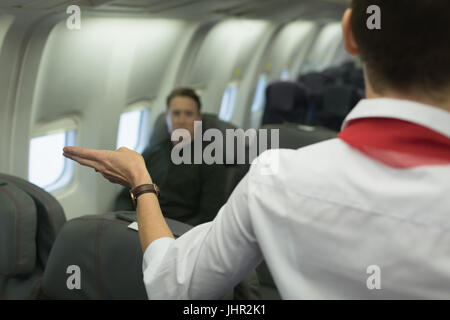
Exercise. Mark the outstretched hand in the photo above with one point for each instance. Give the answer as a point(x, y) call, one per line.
point(122, 166)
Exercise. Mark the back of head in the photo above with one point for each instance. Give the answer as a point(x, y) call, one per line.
point(410, 53)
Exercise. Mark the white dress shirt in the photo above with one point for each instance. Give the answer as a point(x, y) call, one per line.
point(324, 221)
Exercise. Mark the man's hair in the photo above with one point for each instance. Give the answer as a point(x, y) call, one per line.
point(185, 92)
point(411, 52)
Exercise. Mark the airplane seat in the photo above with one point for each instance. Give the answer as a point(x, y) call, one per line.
point(338, 101)
point(50, 216)
point(285, 101)
point(160, 132)
point(38, 219)
point(100, 258)
point(295, 136)
point(20, 272)
point(95, 257)
point(211, 121)
point(315, 83)
point(235, 172)
point(356, 78)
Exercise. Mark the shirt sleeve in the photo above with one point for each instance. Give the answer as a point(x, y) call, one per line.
point(207, 261)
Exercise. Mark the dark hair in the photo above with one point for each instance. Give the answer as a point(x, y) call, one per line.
point(185, 92)
point(411, 52)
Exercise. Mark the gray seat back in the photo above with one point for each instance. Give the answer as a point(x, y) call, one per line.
point(50, 215)
point(19, 272)
point(294, 136)
point(108, 255)
point(28, 238)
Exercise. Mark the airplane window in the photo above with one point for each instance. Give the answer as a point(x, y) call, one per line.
point(133, 130)
point(285, 75)
point(258, 100)
point(47, 167)
point(228, 102)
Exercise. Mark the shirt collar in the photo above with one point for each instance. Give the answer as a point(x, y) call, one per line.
point(428, 116)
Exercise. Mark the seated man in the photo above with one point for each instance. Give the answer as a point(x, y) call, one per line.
point(190, 193)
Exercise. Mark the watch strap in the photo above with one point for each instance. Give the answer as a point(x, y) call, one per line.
point(145, 188)
point(142, 189)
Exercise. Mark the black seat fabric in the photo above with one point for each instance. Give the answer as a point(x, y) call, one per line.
point(338, 101)
point(294, 136)
point(39, 218)
point(285, 101)
point(315, 82)
point(20, 274)
point(109, 257)
point(50, 216)
point(329, 90)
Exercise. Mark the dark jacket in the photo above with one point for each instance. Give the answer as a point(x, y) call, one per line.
point(190, 193)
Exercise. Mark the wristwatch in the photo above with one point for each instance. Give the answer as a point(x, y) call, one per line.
point(140, 190)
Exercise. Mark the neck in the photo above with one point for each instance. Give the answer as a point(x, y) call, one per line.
point(442, 103)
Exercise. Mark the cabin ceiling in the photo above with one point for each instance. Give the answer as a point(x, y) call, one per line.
point(256, 9)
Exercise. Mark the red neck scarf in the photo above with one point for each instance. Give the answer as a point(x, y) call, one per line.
point(397, 143)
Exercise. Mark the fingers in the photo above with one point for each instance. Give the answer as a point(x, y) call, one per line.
point(99, 160)
point(89, 154)
point(89, 163)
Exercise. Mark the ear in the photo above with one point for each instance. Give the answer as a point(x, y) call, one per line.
point(349, 39)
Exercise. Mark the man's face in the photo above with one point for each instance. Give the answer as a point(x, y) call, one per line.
point(182, 113)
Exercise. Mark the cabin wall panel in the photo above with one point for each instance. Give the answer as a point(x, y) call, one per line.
point(286, 47)
point(224, 56)
point(95, 73)
point(7, 63)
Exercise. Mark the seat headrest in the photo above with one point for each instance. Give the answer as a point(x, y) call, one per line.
point(286, 101)
point(211, 121)
point(18, 223)
point(160, 132)
point(285, 96)
point(315, 81)
point(50, 215)
point(338, 100)
point(108, 255)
